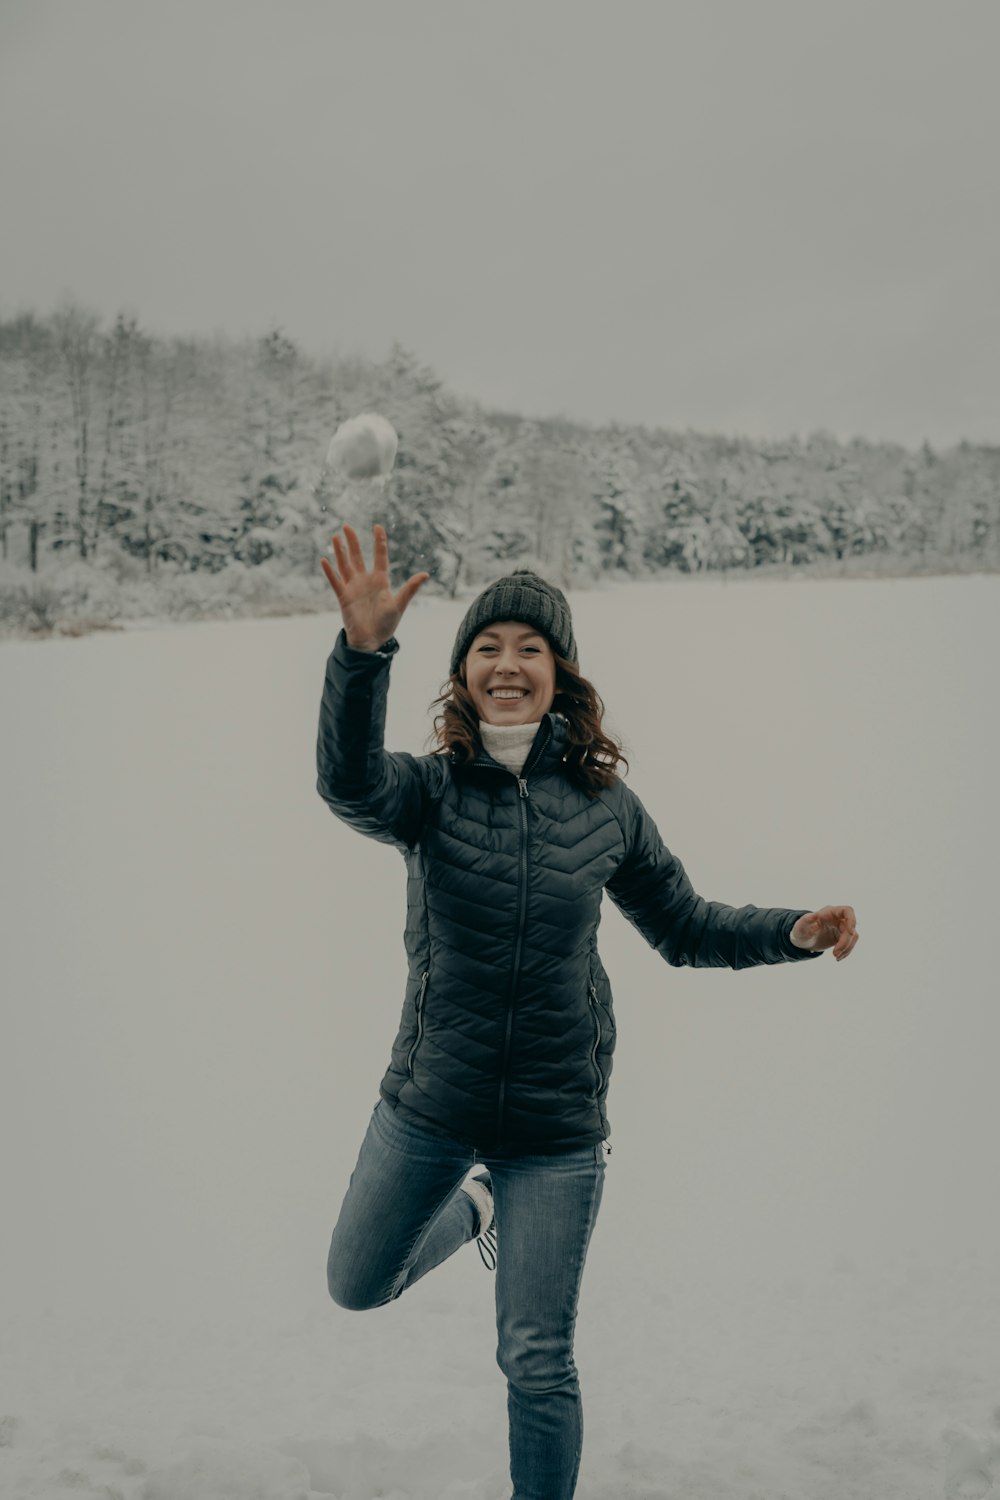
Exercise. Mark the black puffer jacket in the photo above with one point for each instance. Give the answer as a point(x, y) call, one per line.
point(507, 1031)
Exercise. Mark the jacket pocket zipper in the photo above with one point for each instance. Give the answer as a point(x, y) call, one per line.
point(419, 1007)
point(597, 1040)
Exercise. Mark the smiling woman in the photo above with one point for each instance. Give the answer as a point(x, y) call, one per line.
point(512, 832)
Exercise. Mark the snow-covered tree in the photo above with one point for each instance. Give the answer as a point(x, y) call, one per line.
point(77, 340)
point(617, 506)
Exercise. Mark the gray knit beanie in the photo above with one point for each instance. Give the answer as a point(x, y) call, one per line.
point(521, 595)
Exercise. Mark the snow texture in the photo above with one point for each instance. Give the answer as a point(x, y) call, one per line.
point(364, 447)
point(791, 1292)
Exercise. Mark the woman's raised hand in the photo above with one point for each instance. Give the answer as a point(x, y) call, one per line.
point(368, 607)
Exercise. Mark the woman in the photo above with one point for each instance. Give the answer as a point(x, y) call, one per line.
point(512, 831)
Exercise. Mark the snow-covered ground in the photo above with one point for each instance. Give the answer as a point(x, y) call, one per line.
point(793, 1291)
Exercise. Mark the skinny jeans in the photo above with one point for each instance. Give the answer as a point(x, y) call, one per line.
point(403, 1214)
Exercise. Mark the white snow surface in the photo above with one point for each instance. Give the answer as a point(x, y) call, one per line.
point(793, 1289)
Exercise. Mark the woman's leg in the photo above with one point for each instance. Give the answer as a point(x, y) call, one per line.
point(545, 1210)
point(402, 1213)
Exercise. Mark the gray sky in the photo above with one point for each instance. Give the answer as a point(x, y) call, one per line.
point(757, 216)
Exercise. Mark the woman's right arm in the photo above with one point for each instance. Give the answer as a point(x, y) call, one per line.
point(377, 793)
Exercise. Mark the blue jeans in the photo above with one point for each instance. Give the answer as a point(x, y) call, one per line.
point(403, 1214)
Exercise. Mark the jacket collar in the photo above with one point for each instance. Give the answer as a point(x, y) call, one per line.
point(547, 748)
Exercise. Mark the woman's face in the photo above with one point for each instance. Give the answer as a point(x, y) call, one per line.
point(510, 673)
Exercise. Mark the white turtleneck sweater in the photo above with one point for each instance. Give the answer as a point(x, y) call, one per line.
point(508, 743)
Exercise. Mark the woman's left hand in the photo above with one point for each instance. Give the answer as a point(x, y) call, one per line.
point(830, 927)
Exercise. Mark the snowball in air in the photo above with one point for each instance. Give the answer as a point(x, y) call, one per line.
point(364, 447)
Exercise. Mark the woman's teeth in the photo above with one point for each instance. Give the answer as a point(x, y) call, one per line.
point(507, 693)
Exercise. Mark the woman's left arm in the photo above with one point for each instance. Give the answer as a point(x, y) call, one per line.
point(652, 889)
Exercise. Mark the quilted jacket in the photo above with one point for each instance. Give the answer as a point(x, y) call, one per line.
point(507, 1030)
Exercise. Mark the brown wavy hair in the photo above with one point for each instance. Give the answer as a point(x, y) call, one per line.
point(592, 757)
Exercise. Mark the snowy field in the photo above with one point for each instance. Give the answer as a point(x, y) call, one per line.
point(793, 1291)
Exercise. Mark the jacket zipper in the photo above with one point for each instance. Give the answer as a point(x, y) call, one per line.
point(597, 1040)
point(419, 1007)
point(522, 888)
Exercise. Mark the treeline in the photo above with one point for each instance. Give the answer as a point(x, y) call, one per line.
point(153, 457)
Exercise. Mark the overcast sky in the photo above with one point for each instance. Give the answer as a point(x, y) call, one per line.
point(756, 216)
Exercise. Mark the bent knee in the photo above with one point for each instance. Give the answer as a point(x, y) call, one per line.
point(354, 1293)
point(353, 1296)
point(349, 1298)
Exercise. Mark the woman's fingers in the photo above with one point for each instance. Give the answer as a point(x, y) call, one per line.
point(331, 576)
point(381, 553)
point(351, 559)
point(846, 946)
point(847, 930)
point(354, 549)
point(346, 571)
point(409, 588)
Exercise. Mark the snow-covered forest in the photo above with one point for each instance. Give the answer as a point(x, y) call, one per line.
point(145, 476)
